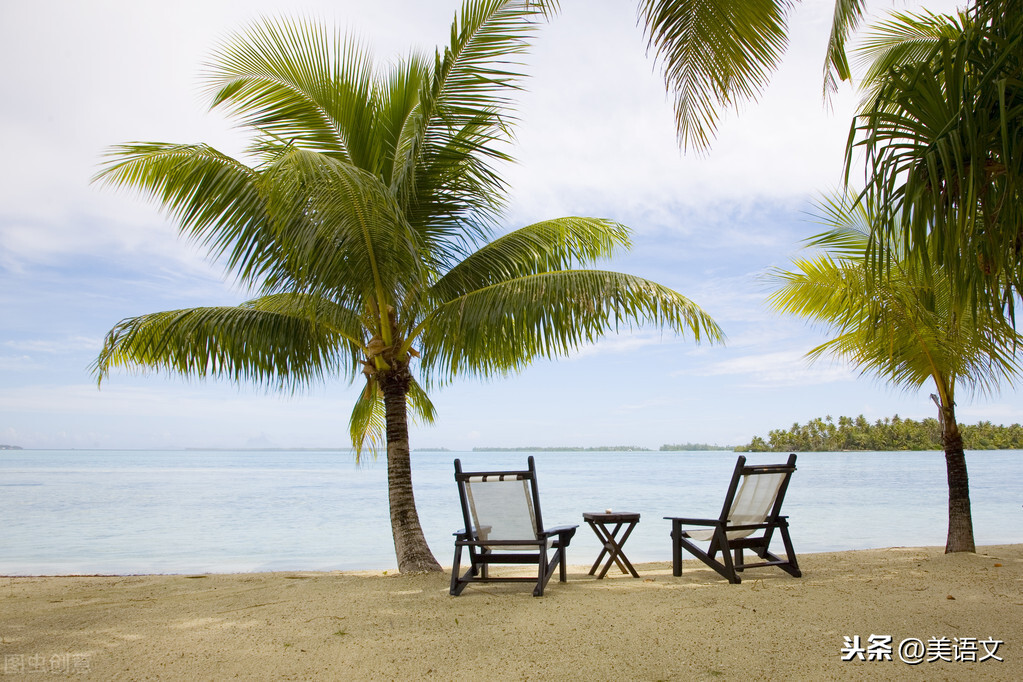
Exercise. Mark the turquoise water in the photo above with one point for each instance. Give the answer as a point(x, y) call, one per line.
point(127, 512)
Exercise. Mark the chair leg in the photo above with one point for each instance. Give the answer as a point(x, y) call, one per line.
point(458, 583)
point(676, 548)
point(728, 572)
point(543, 574)
point(454, 569)
point(724, 568)
point(792, 567)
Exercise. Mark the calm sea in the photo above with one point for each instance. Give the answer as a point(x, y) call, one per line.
point(127, 512)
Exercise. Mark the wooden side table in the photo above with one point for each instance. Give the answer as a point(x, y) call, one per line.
point(601, 524)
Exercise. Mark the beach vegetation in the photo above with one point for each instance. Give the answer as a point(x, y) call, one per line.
point(887, 434)
point(908, 328)
point(366, 217)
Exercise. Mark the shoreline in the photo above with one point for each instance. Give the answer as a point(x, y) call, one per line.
point(577, 570)
point(371, 625)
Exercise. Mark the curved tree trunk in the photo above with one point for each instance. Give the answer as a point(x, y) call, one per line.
point(414, 555)
point(960, 519)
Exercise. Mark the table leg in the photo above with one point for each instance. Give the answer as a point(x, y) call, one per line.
point(612, 547)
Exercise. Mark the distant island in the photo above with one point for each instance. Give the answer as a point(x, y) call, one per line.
point(684, 447)
point(10, 447)
point(603, 448)
point(848, 434)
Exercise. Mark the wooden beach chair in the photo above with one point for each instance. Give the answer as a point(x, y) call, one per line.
point(503, 525)
point(749, 518)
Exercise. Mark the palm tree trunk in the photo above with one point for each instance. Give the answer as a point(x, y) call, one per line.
point(414, 555)
point(960, 519)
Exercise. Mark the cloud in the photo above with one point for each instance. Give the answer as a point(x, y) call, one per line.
point(19, 363)
point(777, 369)
point(625, 342)
point(69, 344)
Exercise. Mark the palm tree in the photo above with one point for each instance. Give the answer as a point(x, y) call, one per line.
point(939, 136)
point(365, 224)
point(717, 54)
point(908, 328)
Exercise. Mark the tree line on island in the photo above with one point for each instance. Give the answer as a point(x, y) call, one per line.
point(824, 435)
point(827, 435)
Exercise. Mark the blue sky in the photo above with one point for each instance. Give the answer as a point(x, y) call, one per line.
point(595, 137)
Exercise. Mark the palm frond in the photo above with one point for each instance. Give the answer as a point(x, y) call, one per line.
point(847, 16)
point(715, 55)
point(368, 423)
point(296, 82)
point(501, 328)
point(462, 121)
point(941, 155)
point(277, 351)
point(558, 244)
point(217, 201)
point(904, 39)
point(350, 241)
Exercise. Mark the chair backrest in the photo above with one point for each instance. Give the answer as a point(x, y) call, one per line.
point(500, 505)
point(756, 493)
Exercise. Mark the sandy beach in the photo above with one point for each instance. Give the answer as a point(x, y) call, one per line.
point(384, 626)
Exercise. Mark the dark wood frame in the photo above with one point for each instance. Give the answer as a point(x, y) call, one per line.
point(731, 562)
point(611, 545)
point(481, 555)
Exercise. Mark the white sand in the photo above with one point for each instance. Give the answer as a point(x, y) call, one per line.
point(373, 626)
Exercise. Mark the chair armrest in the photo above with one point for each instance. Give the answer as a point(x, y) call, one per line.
point(563, 533)
point(694, 522)
point(462, 531)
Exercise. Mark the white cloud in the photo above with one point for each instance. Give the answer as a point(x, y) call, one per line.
point(778, 369)
point(18, 363)
point(67, 345)
point(622, 343)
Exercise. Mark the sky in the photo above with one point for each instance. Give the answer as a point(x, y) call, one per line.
point(595, 137)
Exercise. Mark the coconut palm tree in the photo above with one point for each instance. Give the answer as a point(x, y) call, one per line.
point(908, 328)
point(365, 220)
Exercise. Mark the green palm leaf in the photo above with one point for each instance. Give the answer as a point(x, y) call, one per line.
point(501, 328)
point(242, 344)
point(217, 201)
point(546, 246)
point(903, 40)
point(716, 54)
point(298, 83)
point(847, 16)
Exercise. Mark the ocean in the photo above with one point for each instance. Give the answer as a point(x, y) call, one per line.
point(134, 512)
